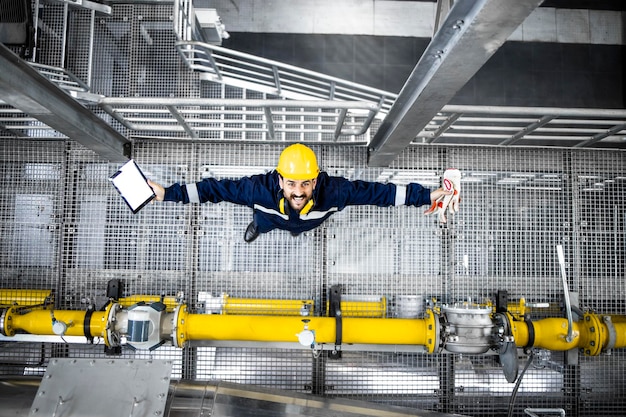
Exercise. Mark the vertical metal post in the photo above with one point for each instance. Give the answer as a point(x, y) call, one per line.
point(318, 377)
point(189, 361)
point(92, 28)
point(572, 389)
point(446, 383)
point(190, 355)
point(64, 38)
point(446, 363)
point(571, 370)
point(36, 25)
point(67, 217)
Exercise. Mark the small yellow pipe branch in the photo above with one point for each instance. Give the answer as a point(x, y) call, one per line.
point(10, 297)
point(234, 305)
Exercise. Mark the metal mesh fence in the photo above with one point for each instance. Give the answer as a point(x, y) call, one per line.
point(66, 229)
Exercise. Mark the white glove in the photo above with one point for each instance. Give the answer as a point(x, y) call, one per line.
point(451, 182)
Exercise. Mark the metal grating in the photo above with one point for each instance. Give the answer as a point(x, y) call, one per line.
point(506, 126)
point(518, 204)
point(64, 228)
point(267, 120)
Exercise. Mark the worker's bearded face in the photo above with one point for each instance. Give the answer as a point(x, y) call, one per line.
point(297, 193)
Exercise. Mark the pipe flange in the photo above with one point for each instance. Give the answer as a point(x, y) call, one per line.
point(111, 336)
point(5, 320)
point(432, 331)
point(179, 335)
point(594, 328)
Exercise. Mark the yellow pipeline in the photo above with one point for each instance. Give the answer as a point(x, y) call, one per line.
point(550, 334)
point(24, 297)
point(39, 322)
point(619, 323)
point(590, 334)
point(353, 308)
point(285, 329)
point(265, 307)
point(269, 307)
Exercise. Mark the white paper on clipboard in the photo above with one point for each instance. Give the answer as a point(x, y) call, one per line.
point(132, 186)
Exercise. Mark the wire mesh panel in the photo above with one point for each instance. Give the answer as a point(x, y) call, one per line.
point(603, 378)
point(80, 43)
point(67, 229)
point(599, 193)
point(33, 177)
point(52, 43)
point(401, 379)
point(274, 368)
point(517, 209)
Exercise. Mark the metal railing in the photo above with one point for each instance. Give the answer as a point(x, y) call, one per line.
point(61, 77)
point(276, 78)
point(525, 126)
point(240, 119)
point(271, 77)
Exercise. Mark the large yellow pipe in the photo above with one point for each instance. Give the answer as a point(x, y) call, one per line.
point(245, 328)
point(619, 322)
point(39, 322)
point(591, 333)
point(547, 333)
point(285, 329)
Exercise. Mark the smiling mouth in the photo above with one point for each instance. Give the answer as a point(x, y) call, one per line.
point(298, 199)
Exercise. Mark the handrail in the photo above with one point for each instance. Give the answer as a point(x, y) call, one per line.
point(272, 77)
point(532, 412)
point(61, 77)
point(512, 125)
point(200, 118)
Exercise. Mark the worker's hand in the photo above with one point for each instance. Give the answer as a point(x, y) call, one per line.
point(438, 194)
point(448, 197)
point(158, 190)
point(436, 200)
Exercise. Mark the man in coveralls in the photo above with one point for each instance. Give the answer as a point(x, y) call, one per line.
point(296, 196)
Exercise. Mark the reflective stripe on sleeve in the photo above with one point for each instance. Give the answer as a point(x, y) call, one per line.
point(400, 195)
point(271, 211)
point(315, 215)
point(192, 193)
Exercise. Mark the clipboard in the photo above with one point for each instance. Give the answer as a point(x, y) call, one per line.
point(132, 186)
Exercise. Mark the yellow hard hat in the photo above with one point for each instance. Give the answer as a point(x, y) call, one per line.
point(298, 162)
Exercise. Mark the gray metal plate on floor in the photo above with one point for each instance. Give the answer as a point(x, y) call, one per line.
point(103, 387)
